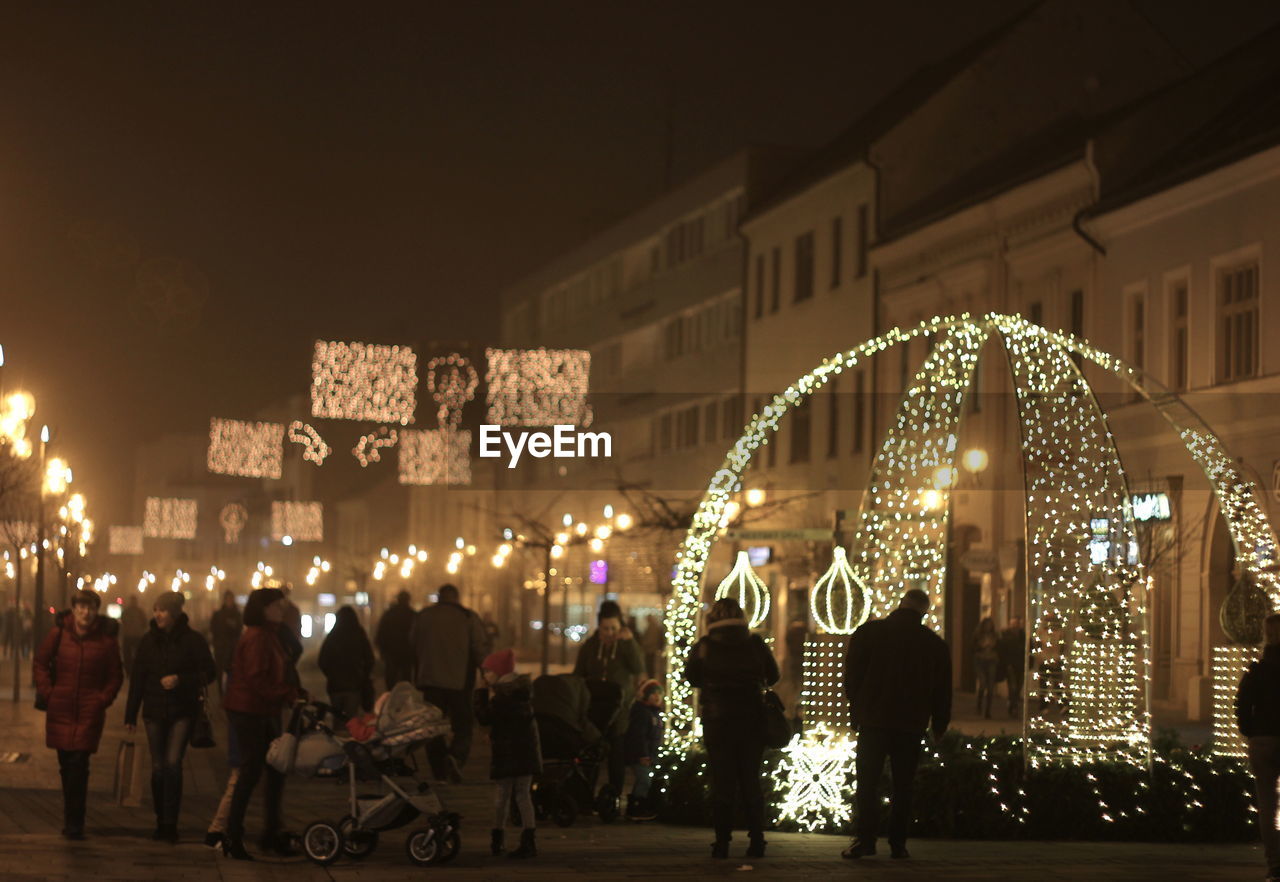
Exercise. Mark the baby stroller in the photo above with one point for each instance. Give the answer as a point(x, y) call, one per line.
point(404, 722)
point(571, 714)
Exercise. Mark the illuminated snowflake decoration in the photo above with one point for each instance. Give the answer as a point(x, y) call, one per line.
point(538, 387)
point(232, 519)
point(744, 586)
point(124, 540)
point(368, 448)
point(364, 381)
point(168, 518)
point(818, 772)
point(437, 456)
point(840, 600)
point(251, 450)
point(452, 382)
point(300, 521)
point(313, 447)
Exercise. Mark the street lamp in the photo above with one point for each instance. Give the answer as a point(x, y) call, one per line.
point(975, 460)
point(755, 497)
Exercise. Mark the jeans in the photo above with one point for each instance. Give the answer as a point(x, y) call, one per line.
point(902, 749)
point(734, 753)
point(73, 767)
point(456, 705)
point(644, 780)
point(504, 789)
point(254, 734)
point(1264, 762)
point(168, 742)
point(986, 669)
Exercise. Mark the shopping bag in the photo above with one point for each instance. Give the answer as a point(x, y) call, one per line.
point(125, 790)
point(282, 752)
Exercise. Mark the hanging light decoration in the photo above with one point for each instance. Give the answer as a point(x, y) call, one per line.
point(840, 601)
point(748, 589)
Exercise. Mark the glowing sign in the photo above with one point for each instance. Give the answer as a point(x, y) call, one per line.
point(1151, 507)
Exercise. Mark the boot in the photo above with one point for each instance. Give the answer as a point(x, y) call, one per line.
point(643, 809)
point(720, 849)
point(495, 842)
point(756, 848)
point(528, 848)
point(169, 833)
point(233, 847)
point(631, 807)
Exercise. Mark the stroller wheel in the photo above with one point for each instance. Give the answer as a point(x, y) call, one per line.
point(607, 804)
point(450, 845)
point(322, 843)
point(423, 846)
point(564, 811)
point(356, 844)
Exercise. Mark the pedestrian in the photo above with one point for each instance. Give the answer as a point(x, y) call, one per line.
point(170, 670)
point(1258, 718)
point(394, 644)
point(1012, 649)
point(644, 737)
point(652, 643)
point(986, 661)
point(225, 626)
point(133, 626)
point(505, 704)
point(292, 615)
point(731, 666)
point(449, 644)
point(216, 835)
point(262, 683)
point(77, 673)
point(346, 660)
point(897, 677)
point(611, 655)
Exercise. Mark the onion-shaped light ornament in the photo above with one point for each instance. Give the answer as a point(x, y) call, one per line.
point(750, 591)
point(839, 600)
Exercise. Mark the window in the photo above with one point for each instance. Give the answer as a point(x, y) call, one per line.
point(859, 409)
point(1137, 321)
point(1238, 322)
point(775, 295)
point(833, 418)
point(801, 431)
point(1178, 335)
point(1035, 312)
point(804, 267)
point(664, 433)
point(836, 251)
point(731, 417)
point(686, 427)
point(759, 312)
point(863, 234)
point(709, 430)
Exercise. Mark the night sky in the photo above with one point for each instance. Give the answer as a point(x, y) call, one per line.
point(189, 196)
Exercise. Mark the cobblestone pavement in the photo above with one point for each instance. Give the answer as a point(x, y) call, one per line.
point(118, 847)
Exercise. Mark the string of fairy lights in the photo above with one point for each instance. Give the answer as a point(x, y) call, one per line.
point(1088, 594)
point(744, 586)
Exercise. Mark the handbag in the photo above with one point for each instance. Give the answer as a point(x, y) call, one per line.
point(282, 753)
point(202, 728)
point(42, 702)
point(777, 729)
point(123, 789)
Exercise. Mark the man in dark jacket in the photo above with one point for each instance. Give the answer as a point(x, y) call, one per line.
point(450, 642)
point(1258, 716)
point(393, 641)
point(224, 630)
point(1012, 650)
point(897, 677)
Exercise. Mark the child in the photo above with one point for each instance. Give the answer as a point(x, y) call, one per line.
point(516, 754)
point(644, 735)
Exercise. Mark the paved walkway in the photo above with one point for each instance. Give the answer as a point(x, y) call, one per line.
point(118, 847)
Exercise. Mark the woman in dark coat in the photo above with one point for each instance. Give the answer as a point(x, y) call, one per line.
point(261, 685)
point(732, 667)
point(225, 626)
point(171, 667)
point(78, 674)
point(516, 754)
point(346, 659)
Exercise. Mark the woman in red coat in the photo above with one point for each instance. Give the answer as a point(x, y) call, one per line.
point(77, 672)
point(262, 683)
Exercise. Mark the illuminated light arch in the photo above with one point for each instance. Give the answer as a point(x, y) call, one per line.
point(1025, 344)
